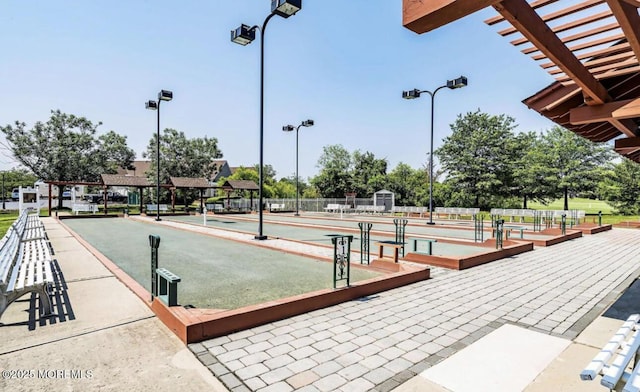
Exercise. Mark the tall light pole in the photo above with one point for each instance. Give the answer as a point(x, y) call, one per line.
point(415, 93)
point(163, 95)
point(244, 35)
point(290, 128)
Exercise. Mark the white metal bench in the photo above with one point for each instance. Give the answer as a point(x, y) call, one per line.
point(93, 208)
point(455, 212)
point(276, 207)
point(25, 265)
point(337, 207)
point(617, 363)
point(154, 207)
point(369, 209)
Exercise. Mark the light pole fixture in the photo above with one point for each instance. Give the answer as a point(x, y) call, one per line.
point(290, 128)
point(244, 35)
point(163, 95)
point(415, 93)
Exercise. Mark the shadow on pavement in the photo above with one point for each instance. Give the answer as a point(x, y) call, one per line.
point(60, 303)
point(627, 304)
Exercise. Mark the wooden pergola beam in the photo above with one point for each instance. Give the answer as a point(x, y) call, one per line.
point(558, 14)
point(626, 126)
point(529, 23)
point(421, 16)
point(627, 143)
point(611, 111)
point(629, 21)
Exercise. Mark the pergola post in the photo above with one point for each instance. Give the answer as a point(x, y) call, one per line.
point(50, 196)
point(104, 198)
point(140, 189)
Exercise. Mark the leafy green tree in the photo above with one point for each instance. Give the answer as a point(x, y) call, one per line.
point(478, 156)
point(284, 189)
point(404, 182)
point(572, 162)
point(533, 177)
point(368, 173)
point(65, 148)
point(182, 157)
point(334, 179)
point(622, 187)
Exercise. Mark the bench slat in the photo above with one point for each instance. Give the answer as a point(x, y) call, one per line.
point(616, 370)
point(19, 282)
point(39, 276)
point(633, 384)
point(602, 358)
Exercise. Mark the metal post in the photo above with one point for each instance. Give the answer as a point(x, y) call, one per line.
point(563, 224)
point(154, 242)
point(365, 230)
point(537, 221)
point(157, 165)
point(297, 187)
point(599, 218)
point(499, 232)
point(400, 229)
point(341, 258)
point(430, 166)
point(260, 236)
point(204, 215)
point(478, 220)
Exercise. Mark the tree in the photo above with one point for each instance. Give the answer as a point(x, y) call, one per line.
point(182, 157)
point(368, 173)
point(65, 149)
point(334, 179)
point(533, 177)
point(622, 187)
point(405, 182)
point(572, 161)
point(478, 156)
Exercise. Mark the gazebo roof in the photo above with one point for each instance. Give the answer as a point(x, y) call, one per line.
point(242, 185)
point(190, 182)
point(120, 180)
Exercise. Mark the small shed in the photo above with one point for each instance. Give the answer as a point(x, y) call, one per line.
point(384, 198)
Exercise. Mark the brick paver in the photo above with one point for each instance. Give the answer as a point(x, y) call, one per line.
point(379, 343)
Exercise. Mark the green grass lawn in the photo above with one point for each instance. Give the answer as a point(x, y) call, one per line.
point(587, 205)
point(6, 219)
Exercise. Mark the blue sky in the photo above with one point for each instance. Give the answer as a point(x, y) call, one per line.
point(343, 64)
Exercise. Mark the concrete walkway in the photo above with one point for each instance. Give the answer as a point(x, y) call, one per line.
point(104, 337)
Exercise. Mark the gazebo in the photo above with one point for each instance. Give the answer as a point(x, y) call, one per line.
point(125, 181)
point(240, 185)
point(201, 184)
